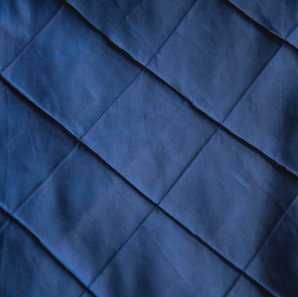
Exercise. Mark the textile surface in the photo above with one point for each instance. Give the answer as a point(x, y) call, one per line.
point(148, 148)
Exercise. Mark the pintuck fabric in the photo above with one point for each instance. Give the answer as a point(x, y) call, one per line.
point(149, 148)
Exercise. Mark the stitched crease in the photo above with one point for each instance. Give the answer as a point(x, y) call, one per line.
point(211, 248)
point(179, 93)
point(173, 30)
point(182, 173)
point(284, 167)
point(152, 209)
point(34, 37)
point(126, 180)
point(54, 169)
point(281, 218)
point(37, 105)
point(5, 223)
point(263, 26)
point(163, 43)
point(87, 287)
point(116, 253)
point(39, 185)
point(292, 221)
point(254, 281)
point(253, 20)
point(177, 271)
point(117, 97)
point(31, 193)
point(252, 83)
point(264, 243)
point(156, 205)
point(256, 181)
point(193, 103)
point(32, 233)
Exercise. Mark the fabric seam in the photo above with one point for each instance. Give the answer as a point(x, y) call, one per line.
point(32, 233)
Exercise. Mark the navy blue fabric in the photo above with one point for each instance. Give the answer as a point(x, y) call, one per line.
point(148, 148)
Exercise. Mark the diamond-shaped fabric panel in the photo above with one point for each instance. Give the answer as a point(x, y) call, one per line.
point(31, 146)
point(210, 69)
point(25, 267)
point(87, 224)
point(20, 21)
point(280, 252)
point(218, 201)
point(84, 66)
point(168, 267)
point(139, 27)
point(148, 148)
point(267, 115)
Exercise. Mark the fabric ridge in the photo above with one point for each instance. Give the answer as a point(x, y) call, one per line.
point(149, 148)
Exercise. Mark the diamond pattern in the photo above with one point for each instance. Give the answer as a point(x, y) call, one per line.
point(31, 146)
point(92, 209)
point(142, 146)
point(245, 287)
point(18, 29)
point(169, 268)
point(222, 71)
point(207, 185)
point(264, 12)
point(60, 89)
point(261, 122)
point(279, 255)
point(157, 163)
point(136, 26)
point(22, 254)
